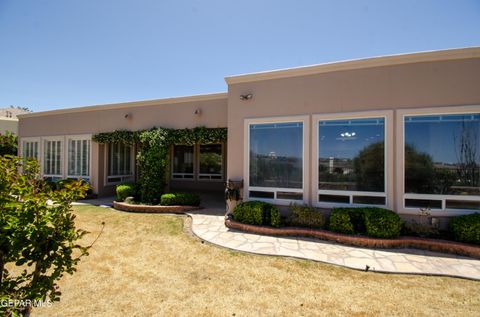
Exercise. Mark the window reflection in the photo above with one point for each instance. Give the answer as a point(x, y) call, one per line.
point(351, 155)
point(210, 161)
point(182, 161)
point(276, 155)
point(442, 154)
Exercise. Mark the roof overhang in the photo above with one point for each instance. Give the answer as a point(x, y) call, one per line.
point(144, 103)
point(390, 60)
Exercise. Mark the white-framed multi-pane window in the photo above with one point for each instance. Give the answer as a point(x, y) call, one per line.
point(202, 162)
point(120, 162)
point(276, 159)
point(351, 159)
point(440, 160)
point(31, 148)
point(210, 161)
point(183, 162)
point(53, 158)
point(78, 157)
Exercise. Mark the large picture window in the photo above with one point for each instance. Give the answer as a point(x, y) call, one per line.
point(210, 161)
point(52, 159)
point(183, 162)
point(351, 161)
point(120, 162)
point(442, 161)
point(276, 161)
point(79, 158)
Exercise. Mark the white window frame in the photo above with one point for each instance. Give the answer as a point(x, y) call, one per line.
point(82, 137)
point(388, 161)
point(222, 172)
point(31, 140)
point(123, 178)
point(306, 156)
point(401, 195)
point(62, 156)
point(195, 167)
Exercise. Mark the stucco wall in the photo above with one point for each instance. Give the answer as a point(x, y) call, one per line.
point(417, 85)
point(8, 124)
point(135, 116)
point(175, 115)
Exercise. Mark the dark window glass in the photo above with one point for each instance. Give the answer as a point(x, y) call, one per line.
point(119, 163)
point(334, 199)
point(352, 155)
point(442, 154)
point(211, 159)
point(276, 155)
point(423, 203)
point(462, 204)
point(369, 200)
point(182, 161)
point(290, 196)
point(258, 194)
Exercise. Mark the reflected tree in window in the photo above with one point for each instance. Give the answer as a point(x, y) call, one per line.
point(352, 155)
point(448, 162)
point(370, 169)
point(276, 155)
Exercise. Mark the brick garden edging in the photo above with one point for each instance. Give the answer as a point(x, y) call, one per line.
point(153, 209)
point(362, 241)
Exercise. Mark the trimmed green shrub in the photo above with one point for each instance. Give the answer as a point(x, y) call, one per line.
point(180, 199)
point(466, 228)
point(257, 213)
point(305, 216)
point(340, 221)
point(125, 190)
point(382, 223)
point(374, 222)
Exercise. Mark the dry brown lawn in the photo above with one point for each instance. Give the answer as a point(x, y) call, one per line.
point(146, 265)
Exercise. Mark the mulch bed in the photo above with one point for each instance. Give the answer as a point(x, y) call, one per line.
point(437, 245)
point(153, 209)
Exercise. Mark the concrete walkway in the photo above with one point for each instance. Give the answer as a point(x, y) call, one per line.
point(211, 228)
point(208, 224)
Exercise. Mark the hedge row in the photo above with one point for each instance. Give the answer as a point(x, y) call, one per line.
point(172, 199)
point(257, 213)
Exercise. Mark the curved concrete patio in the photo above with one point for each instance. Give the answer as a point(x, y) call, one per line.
point(210, 227)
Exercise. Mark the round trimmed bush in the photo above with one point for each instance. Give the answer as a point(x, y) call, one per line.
point(180, 199)
point(466, 228)
point(257, 213)
point(125, 190)
point(382, 223)
point(340, 221)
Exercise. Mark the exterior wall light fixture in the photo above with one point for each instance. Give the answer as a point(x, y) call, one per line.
point(198, 112)
point(246, 97)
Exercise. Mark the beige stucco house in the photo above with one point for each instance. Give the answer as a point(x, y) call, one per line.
point(396, 131)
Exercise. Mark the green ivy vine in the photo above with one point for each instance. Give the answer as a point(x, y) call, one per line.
point(152, 156)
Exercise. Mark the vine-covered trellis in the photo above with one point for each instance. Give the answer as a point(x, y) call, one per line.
point(152, 156)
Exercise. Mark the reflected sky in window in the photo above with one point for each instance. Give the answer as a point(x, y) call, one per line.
point(276, 155)
point(442, 154)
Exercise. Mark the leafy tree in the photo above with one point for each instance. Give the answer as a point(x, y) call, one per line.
point(38, 238)
point(8, 144)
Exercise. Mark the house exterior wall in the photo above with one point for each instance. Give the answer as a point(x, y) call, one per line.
point(389, 87)
point(177, 114)
point(8, 125)
point(430, 85)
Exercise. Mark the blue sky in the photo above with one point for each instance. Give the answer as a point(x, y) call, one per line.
point(66, 53)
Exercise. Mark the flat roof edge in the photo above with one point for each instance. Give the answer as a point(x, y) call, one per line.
point(123, 105)
point(370, 62)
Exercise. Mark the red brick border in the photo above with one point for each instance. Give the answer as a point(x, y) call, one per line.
point(153, 209)
point(362, 241)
